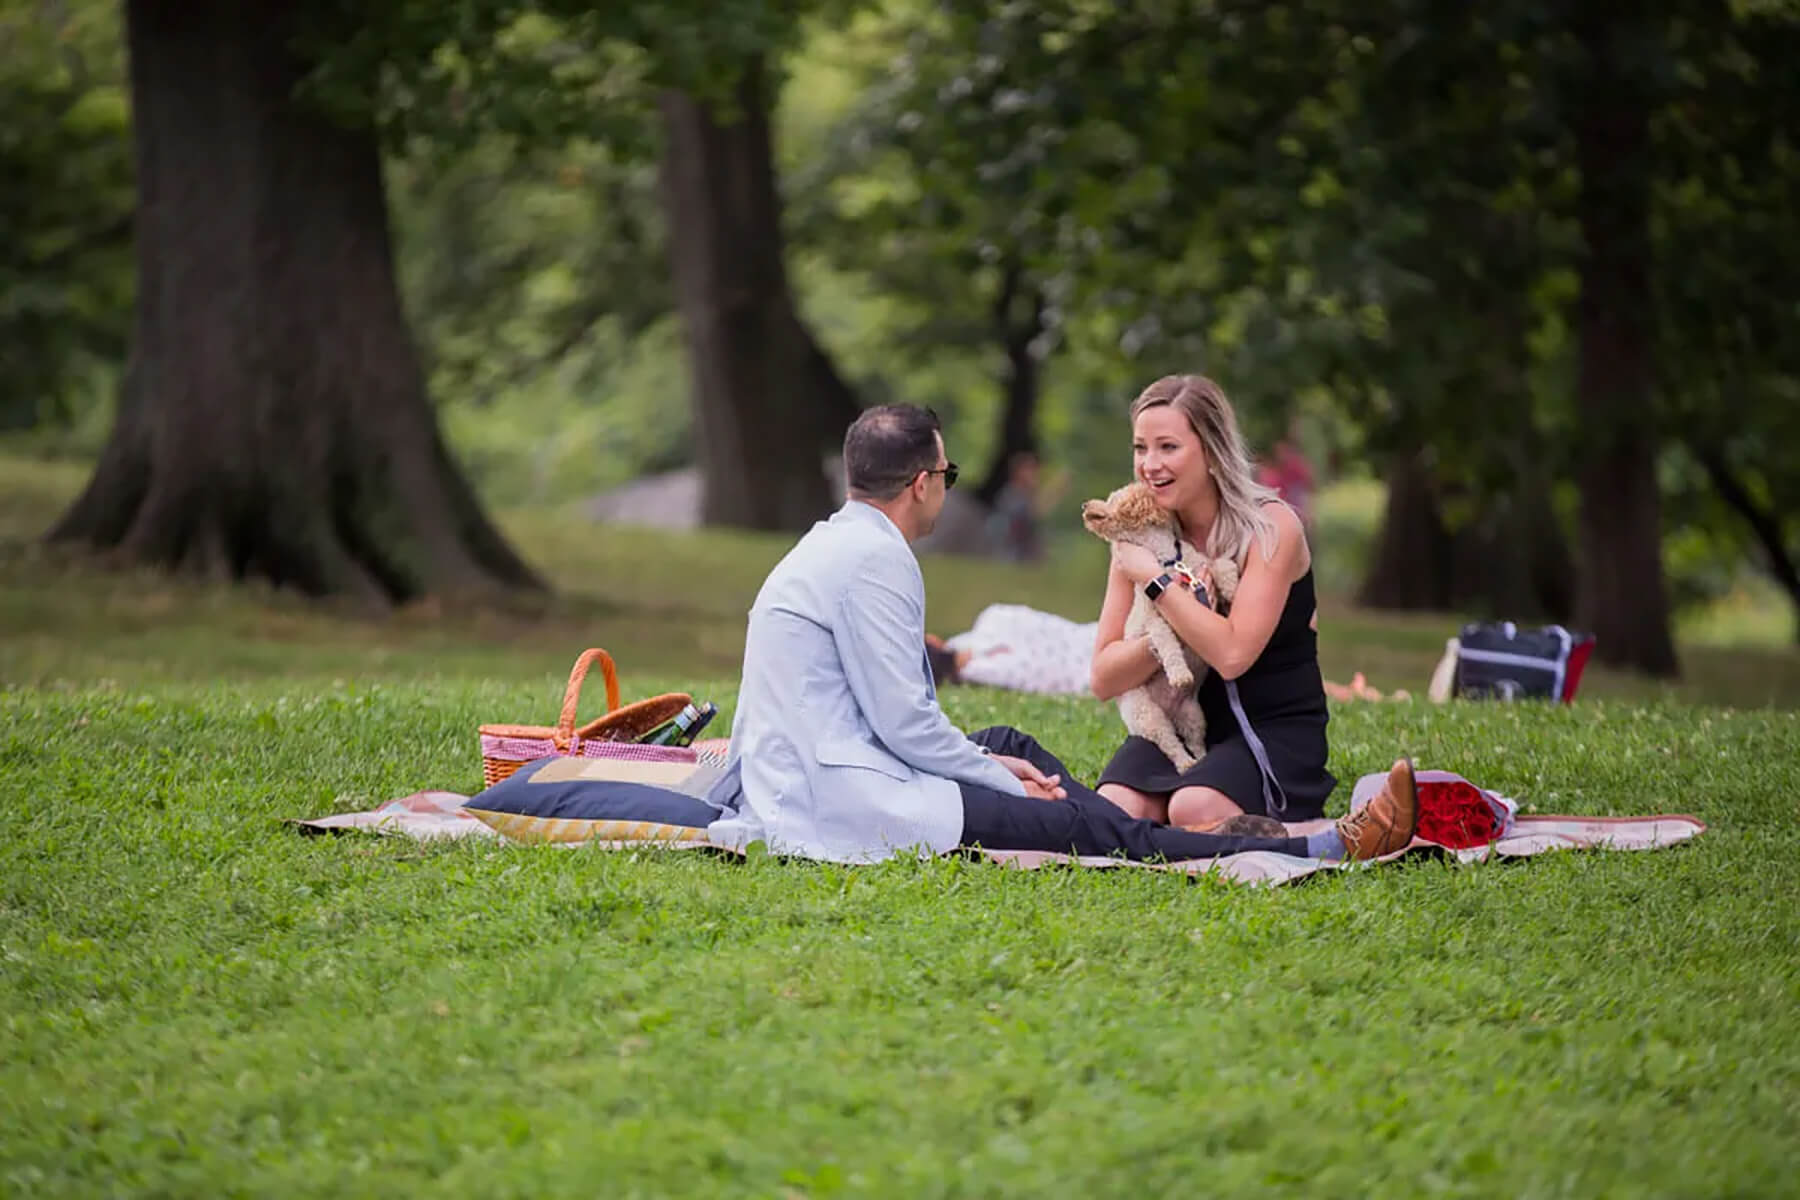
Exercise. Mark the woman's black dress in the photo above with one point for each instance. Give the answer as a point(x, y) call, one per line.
point(1283, 696)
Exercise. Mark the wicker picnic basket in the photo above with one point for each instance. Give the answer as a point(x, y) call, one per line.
point(506, 748)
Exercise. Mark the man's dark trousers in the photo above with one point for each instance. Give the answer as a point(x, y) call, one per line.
point(1084, 823)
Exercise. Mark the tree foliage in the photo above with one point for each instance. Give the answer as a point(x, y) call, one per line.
point(1534, 261)
point(65, 208)
point(1430, 211)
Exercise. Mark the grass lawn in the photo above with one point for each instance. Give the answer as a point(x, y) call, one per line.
point(199, 1001)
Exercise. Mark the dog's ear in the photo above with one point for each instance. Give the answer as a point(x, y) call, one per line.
point(1117, 494)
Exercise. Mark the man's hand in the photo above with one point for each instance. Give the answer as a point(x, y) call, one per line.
point(1038, 785)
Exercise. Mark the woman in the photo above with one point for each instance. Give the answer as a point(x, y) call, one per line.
point(1265, 745)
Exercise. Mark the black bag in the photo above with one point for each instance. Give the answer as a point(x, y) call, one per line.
point(1503, 662)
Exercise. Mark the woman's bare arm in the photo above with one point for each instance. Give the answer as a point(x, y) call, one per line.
point(1120, 664)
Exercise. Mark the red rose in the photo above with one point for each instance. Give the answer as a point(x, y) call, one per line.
point(1456, 815)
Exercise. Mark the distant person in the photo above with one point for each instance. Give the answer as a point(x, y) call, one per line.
point(1016, 526)
point(1264, 698)
point(839, 750)
point(1019, 648)
point(1289, 475)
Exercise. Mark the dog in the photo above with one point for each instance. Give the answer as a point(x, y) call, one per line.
point(1165, 709)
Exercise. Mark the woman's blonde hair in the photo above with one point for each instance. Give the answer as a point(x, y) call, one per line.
point(1241, 497)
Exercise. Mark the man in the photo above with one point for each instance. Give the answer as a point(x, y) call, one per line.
point(839, 750)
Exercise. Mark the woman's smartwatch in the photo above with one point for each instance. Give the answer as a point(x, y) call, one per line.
point(1156, 587)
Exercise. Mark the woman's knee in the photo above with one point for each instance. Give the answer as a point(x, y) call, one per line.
point(1200, 807)
point(1134, 803)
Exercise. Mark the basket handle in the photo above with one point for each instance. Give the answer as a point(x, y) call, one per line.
point(565, 724)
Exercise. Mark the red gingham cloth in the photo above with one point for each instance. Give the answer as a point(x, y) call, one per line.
point(529, 749)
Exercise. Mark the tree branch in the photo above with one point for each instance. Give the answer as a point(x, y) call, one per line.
point(1763, 522)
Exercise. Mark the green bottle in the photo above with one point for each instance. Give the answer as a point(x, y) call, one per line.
point(708, 710)
point(670, 733)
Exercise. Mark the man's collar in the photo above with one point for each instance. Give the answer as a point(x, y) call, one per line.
point(864, 513)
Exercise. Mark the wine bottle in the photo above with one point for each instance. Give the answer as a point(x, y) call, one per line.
point(708, 710)
point(669, 732)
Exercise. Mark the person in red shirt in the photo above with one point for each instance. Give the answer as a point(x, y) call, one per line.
point(1291, 476)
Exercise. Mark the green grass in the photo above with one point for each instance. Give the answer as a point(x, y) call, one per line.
point(1753, 613)
point(197, 1000)
point(201, 1001)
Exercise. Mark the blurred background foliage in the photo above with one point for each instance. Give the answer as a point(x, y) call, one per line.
point(66, 200)
point(1045, 204)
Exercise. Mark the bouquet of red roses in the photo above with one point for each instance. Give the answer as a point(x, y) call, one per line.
point(1453, 812)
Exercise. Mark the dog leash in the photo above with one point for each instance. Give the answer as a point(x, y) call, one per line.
point(1271, 787)
point(1274, 798)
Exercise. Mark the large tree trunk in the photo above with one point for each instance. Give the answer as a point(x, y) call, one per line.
point(1512, 562)
point(1411, 566)
point(1018, 416)
point(766, 398)
point(273, 422)
point(1622, 596)
point(1509, 562)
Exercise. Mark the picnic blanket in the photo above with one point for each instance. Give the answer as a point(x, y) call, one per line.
point(425, 816)
point(1529, 835)
point(428, 815)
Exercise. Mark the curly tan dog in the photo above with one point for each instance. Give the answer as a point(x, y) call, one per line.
point(1165, 709)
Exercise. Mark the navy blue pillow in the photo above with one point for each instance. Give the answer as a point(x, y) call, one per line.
point(621, 798)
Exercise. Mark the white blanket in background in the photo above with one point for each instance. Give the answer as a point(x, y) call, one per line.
point(1019, 648)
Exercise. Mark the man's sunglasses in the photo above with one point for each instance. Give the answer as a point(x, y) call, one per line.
point(948, 471)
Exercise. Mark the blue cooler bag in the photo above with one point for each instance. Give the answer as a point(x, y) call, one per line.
point(1503, 662)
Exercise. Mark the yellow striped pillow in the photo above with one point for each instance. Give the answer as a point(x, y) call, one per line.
point(573, 831)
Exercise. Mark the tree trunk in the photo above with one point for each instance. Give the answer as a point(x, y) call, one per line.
point(1018, 417)
point(766, 399)
point(1512, 562)
point(839, 403)
point(1411, 567)
point(273, 422)
point(1548, 559)
point(1622, 597)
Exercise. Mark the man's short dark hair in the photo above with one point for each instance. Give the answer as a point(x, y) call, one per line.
point(886, 447)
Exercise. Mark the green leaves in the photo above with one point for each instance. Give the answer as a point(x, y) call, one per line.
point(65, 210)
point(541, 72)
